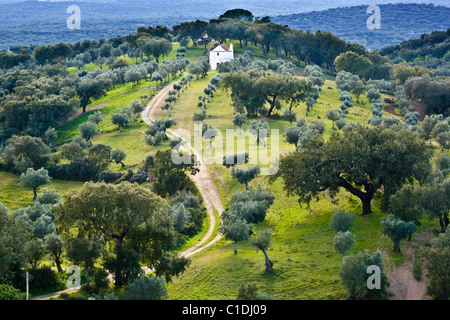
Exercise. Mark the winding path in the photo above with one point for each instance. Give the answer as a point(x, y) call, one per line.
point(202, 179)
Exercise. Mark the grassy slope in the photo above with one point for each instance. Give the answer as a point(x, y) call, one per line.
point(306, 266)
point(131, 139)
point(14, 196)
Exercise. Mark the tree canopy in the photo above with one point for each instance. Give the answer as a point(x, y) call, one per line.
point(361, 160)
point(132, 219)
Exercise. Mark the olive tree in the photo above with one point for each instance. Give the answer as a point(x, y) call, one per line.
point(88, 89)
point(50, 136)
point(55, 245)
point(155, 140)
point(33, 179)
point(118, 156)
point(262, 242)
point(88, 130)
point(234, 228)
point(343, 242)
point(96, 118)
point(120, 119)
point(290, 116)
point(397, 230)
point(246, 175)
point(239, 120)
point(260, 129)
point(292, 135)
point(355, 276)
point(342, 221)
point(333, 115)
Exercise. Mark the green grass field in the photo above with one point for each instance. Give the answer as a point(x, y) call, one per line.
point(306, 266)
point(131, 139)
point(305, 263)
point(14, 196)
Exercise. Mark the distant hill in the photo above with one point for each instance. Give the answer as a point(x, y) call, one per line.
point(399, 22)
point(44, 22)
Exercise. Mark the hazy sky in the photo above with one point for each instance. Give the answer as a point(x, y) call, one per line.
point(259, 6)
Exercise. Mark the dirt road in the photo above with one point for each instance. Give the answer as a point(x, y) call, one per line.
point(403, 286)
point(202, 179)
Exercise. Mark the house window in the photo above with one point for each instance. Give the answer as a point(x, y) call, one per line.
point(217, 54)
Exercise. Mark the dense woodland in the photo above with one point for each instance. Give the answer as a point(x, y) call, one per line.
point(349, 23)
point(430, 51)
point(123, 219)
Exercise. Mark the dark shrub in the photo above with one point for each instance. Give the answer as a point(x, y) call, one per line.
point(109, 176)
point(80, 169)
point(44, 279)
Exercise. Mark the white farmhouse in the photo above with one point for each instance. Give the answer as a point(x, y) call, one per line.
point(220, 55)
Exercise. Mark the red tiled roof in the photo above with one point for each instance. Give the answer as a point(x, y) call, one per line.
point(224, 46)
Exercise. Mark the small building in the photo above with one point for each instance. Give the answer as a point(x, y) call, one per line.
point(220, 54)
